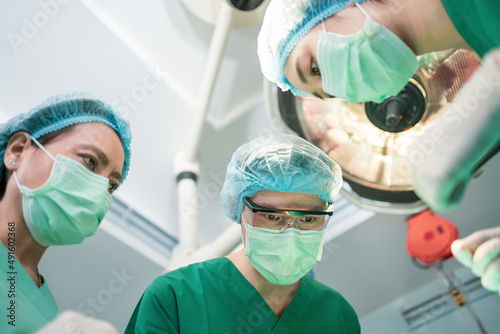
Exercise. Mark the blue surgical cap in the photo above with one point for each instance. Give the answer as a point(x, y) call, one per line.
point(61, 111)
point(278, 162)
point(285, 23)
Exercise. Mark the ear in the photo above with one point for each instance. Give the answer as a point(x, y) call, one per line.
point(351, 4)
point(17, 144)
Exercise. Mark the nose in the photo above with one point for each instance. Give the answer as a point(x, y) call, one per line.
point(292, 222)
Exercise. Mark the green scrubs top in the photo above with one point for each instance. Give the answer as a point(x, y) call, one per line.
point(214, 297)
point(24, 307)
point(477, 21)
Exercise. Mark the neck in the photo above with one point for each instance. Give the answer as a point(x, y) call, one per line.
point(423, 25)
point(276, 296)
point(15, 233)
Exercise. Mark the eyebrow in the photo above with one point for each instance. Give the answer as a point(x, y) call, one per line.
point(102, 157)
point(302, 77)
point(318, 95)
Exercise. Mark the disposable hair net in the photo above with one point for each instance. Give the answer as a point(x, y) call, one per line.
point(63, 110)
point(278, 162)
point(285, 23)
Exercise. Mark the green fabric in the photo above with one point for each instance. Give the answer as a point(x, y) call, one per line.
point(214, 297)
point(34, 307)
point(477, 21)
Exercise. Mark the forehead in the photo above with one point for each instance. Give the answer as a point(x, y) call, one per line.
point(96, 134)
point(288, 200)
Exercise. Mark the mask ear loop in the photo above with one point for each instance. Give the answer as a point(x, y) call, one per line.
point(42, 148)
point(361, 9)
point(17, 181)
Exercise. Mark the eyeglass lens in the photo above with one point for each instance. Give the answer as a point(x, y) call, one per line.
point(278, 221)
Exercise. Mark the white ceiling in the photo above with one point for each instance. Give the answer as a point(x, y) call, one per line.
point(148, 58)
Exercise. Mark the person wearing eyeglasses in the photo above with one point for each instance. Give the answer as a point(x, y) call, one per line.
point(281, 190)
point(366, 50)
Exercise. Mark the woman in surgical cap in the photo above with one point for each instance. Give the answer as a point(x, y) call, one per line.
point(281, 189)
point(366, 50)
point(60, 164)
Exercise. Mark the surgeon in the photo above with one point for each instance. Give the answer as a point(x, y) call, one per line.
point(281, 190)
point(60, 164)
point(366, 50)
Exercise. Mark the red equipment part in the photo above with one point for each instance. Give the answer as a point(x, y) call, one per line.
point(430, 237)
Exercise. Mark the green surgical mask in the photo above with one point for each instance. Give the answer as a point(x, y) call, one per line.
point(370, 65)
point(285, 257)
point(69, 206)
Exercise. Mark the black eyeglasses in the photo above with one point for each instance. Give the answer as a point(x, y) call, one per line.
point(257, 208)
point(278, 219)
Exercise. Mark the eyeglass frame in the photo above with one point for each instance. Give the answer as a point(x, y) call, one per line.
point(257, 208)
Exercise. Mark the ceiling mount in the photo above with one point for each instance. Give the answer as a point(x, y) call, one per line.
point(247, 12)
point(245, 5)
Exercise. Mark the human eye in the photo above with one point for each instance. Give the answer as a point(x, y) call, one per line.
point(112, 186)
point(308, 219)
point(272, 218)
point(90, 162)
point(315, 69)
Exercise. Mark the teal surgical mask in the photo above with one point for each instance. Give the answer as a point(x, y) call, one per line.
point(285, 257)
point(370, 65)
point(69, 206)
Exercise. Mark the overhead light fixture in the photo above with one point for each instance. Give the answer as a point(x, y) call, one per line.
point(246, 12)
point(369, 140)
point(245, 5)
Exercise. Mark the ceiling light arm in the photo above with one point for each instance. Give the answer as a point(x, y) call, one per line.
point(186, 165)
point(208, 80)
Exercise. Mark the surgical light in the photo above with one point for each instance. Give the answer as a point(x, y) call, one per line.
point(369, 140)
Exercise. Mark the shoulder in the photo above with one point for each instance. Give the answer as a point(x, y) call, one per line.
point(323, 289)
point(192, 275)
point(329, 297)
point(331, 309)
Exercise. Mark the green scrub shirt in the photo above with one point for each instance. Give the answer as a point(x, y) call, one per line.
point(24, 307)
point(214, 297)
point(477, 21)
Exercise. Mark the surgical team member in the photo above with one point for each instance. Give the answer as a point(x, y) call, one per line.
point(60, 163)
point(366, 50)
point(280, 189)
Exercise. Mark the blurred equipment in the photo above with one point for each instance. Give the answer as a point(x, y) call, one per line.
point(459, 141)
point(456, 291)
point(430, 237)
point(429, 242)
point(369, 140)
